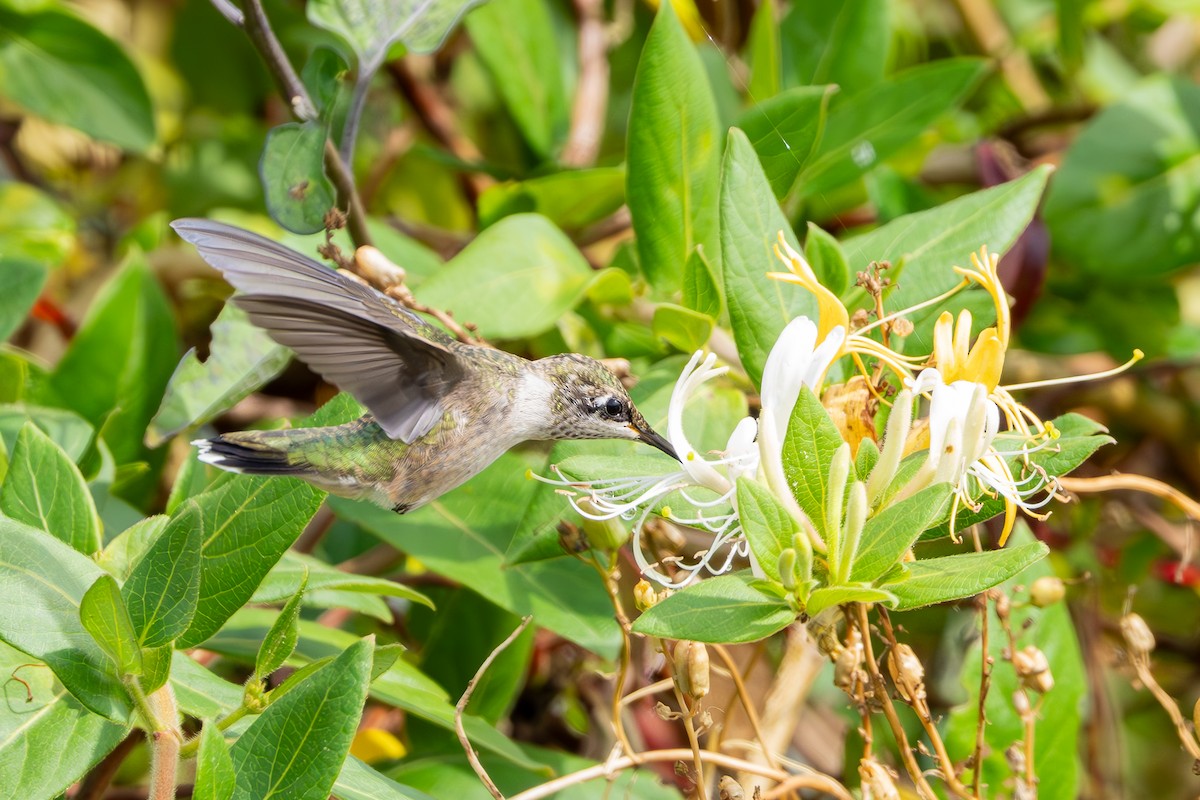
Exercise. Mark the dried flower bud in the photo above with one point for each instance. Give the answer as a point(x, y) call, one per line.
point(877, 781)
point(730, 789)
point(1003, 605)
point(663, 711)
point(1020, 702)
point(787, 568)
point(644, 596)
point(902, 326)
point(847, 666)
point(571, 539)
point(1033, 669)
point(1137, 634)
point(378, 268)
point(908, 673)
point(691, 668)
point(1046, 591)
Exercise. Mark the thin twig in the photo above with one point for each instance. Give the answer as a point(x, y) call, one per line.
point(230, 12)
point(747, 702)
point(1141, 665)
point(1133, 483)
point(461, 706)
point(688, 727)
point(591, 91)
point(821, 783)
point(985, 683)
point(609, 576)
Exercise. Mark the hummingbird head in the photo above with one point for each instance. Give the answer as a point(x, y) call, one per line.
point(588, 402)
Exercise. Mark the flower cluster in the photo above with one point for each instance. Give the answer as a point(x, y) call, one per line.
point(974, 436)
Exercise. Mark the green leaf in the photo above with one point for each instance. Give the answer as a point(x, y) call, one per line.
point(938, 580)
point(751, 220)
point(156, 666)
point(284, 580)
point(249, 522)
point(297, 192)
point(215, 778)
point(121, 359)
point(830, 596)
point(515, 279)
point(44, 488)
point(516, 41)
point(44, 582)
point(242, 358)
point(163, 587)
point(296, 747)
point(888, 535)
point(683, 328)
point(464, 536)
point(360, 781)
point(1058, 722)
point(57, 66)
point(809, 445)
point(762, 54)
point(371, 27)
point(104, 615)
point(68, 430)
point(119, 556)
point(200, 693)
point(767, 524)
point(49, 741)
point(281, 640)
point(1120, 205)
point(701, 288)
point(673, 153)
point(828, 260)
point(925, 246)
point(843, 42)
point(33, 227)
point(572, 199)
point(784, 131)
point(869, 127)
point(726, 608)
point(21, 282)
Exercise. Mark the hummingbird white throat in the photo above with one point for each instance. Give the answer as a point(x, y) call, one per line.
point(440, 410)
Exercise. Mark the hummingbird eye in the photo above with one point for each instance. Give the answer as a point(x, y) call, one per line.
point(613, 407)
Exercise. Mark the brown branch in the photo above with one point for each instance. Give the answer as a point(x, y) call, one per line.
point(985, 683)
point(990, 32)
point(591, 92)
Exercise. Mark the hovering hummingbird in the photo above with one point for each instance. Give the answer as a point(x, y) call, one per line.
point(440, 410)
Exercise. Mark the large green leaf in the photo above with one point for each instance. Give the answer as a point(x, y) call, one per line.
point(59, 67)
point(785, 130)
point(47, 739)
point(516, 41)
point(516, 279)
point(296, 747)
point(33, 226)
point(938, 580)
point(727, 608)
point(1123, 204)
point(241, 358)
point(284, 579)
point(888, 535)
point(68, 430)
point(767, 524)
point(44, 581)
point(869, 127)
point(21, 282)
point(215, 778)
point(759, 308)
point(297, 191)
point(673, 154)
point(103, 613)
point(359, 781)
point(464, 536)
point(163, 587)
point(371, 27)
point(571, 199)
point(1058, 719)
point(45, 489)
point(809, 446)
point(841, 41)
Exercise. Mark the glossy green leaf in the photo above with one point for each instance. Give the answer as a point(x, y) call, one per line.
point(938, 580)
point(297, 192)
point(67, 429)
point(516, 41)
point(751, 221)
point(163, 587)
point(215, 779)
point(809, 446)
point(768, 526)
point(33, 227)
point(21, 282)
point(281, 640)
point(830, 596)
point(360, 781)
point(119, 556)
point(156, 666)
point(701, 285)
point(888, 535)
point(199, 692)
point(683, 328)
point(673, 154)
point(44, 582)
point(242, 357)
point(825, 255)
point(572, 199)
point(296, 747)
point(371, 27)
point(47, 739)
point(785, 131)
point(103, 613)
point(726, 608)
point(869, 127)
point(842, 41)
point(1122, 205)
point(323, 580)
point(515, 279)
point(44, 488)
point(59, 67)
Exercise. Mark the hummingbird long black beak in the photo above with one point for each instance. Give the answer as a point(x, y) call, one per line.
point(654, 440)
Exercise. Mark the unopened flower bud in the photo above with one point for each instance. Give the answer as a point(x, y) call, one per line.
point(1046, 591)
point(602, 534)
point(691, 668)
point(901, 326)
point(877, 781)
point(804, 556)
point(644, 596)
point(787, 569)
point(1137, 634)
point(908, 673)
point(1033, 669)
point(1003, 605)
point(730, 789)
point(847, 665)
point(1020, 702)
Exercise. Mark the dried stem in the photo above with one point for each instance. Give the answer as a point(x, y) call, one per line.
point(591, 93)
point(688, 726)
point(821, 783)
point(747, 703)
point(985, 683)
point(1141, 665)
point(1133, 483)
point(993, 37)
point(461, 706)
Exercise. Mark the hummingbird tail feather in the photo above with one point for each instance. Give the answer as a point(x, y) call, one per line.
point(253, 454)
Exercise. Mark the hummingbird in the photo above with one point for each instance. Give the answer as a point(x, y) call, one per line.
point(439, 410)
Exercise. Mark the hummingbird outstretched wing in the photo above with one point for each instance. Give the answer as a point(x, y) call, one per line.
point(396, 364)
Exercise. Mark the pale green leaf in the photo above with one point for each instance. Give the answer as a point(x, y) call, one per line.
point(163, 587)
point(726, 608)
point(103, 613)
point(297, 192)
point(215, 779)
point(938, 580)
